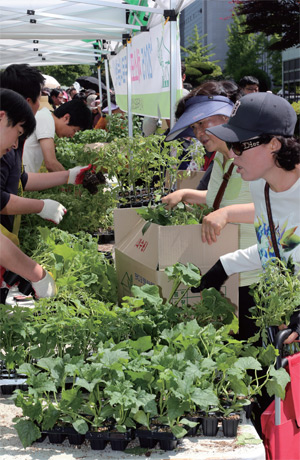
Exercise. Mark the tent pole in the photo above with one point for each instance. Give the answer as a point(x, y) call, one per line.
point(107, 84)
point(129, 112)
point(173, 63)
point(99, 74)
point(99, 80)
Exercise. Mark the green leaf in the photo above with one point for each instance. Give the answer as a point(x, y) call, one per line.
point(178, 431)
point(204, 398)
point(28, 432)
point(141, 417)
point(80, 426)
point(248, 363)
point(247, 438)
point(276, 386)
point(50, 417)
point(142, 344)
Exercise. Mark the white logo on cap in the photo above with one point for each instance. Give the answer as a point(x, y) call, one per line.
point(234, 110)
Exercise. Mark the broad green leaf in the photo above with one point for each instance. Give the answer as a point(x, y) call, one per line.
point(28, 432)
point(80, 426)
point(51, 415)
point(141, 344)
point(276, 386)
point(141, 417)
point(204, 398)
point(178, 431)
point(248, 363)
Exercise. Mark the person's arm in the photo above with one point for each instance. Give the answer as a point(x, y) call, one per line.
point(47, 209)
point(14, 260)
point(42, 181)
point(18, 205)
point(48, 149)
point(242, 260)
point(214, 222)
point(187, 195)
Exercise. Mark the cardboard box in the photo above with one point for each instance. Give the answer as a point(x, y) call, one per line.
point(186, 179)
point(141, 259)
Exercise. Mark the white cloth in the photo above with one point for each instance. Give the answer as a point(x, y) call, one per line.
point(285, 208)
point(45, 129)
point(236, 192)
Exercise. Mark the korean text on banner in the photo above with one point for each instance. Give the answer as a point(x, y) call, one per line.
point(150, 73)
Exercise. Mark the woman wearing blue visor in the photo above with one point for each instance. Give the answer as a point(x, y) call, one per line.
point(205, 107)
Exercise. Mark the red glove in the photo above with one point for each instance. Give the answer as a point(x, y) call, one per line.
point(76, 175)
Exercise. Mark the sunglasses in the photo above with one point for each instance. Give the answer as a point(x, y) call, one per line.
point(239, 147)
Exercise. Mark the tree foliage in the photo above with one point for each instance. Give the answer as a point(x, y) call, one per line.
point(246, 53)
point(199, 67)
point(67, 74)
point(272, 17)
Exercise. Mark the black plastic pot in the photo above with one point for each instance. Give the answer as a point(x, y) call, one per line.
point(119, 441)
point(8, 389)
point(147, 438)
point(12, 382)
point(166, 439)
point(56, 435)
point(98, 440)
point(193, 431)
point(210, 426)
point(74, 437)
point(41, 438)
point(106, 237)
point(230, 426)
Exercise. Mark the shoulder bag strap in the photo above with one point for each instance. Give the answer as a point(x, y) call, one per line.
point(222, 188)
point(271, 223)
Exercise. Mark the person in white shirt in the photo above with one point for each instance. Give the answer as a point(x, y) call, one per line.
point(259, 134)
point(65, 121)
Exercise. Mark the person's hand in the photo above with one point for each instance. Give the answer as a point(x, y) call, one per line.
point(76, 175)
point(212, 224)
point(172, 199)
point(46, 287)
point(215, 277)
point(294, 326)
point(53, 211)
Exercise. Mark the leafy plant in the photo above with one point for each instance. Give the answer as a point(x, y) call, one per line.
point(179, 215)
point(276, 296)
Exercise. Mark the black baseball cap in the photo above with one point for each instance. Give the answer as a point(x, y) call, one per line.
point(256, 114)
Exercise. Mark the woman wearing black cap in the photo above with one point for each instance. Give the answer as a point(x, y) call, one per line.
point(260, 136)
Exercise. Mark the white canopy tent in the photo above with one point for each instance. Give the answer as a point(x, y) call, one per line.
point(53, 32)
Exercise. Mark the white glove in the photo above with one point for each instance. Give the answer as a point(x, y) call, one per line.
point(53, 211)
point(76, 175)
point(46, 287)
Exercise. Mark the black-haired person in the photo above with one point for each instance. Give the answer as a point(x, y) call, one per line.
point(249, 84)
point(260, 136)
point(65, 121)
point(28, 82)
point(16, 119)
point(24, 80)
point(56, 98)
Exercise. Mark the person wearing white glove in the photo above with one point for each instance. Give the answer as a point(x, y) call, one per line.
point(52, 211)
point(45, 287)
point(76, 175)
point(14, 260)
